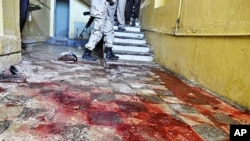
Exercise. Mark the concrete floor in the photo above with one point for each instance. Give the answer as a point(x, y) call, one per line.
point(54, 100)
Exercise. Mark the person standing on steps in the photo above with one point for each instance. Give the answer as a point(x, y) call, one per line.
point(121, 14)
point(119, 9)
point(101, 26)
point(112, 10)
point(128, 11)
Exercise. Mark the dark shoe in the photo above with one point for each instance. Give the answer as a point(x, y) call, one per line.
point(13, 70)
point(133, 21)
point(110, 55)
point(87, 55)
point(127, 23)
point(121, 27)
point(115, 23)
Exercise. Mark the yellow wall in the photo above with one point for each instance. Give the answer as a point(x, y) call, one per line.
point(37, 29)
point(1, 19)
point(209, 45)
point(11, 17)
point(10, 43)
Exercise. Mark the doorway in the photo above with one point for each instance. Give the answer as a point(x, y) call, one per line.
point(62, 19)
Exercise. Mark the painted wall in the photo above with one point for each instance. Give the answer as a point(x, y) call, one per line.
point(10, 42)
point(77, 20)
point(37, 26)
point(41, 25)
point(203, 41)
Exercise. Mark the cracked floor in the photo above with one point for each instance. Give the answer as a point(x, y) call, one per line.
point(54, 100)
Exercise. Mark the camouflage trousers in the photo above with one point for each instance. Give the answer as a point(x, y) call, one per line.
point(101, 27)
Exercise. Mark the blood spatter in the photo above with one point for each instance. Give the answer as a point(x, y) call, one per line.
point(52, 128)
point(131, 106)
point(2, 90)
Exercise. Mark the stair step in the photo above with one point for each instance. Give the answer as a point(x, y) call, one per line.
point(133, 53)
point(131, 48)
point(130, 28)
point(121, 62)
point(134, 41)
point(131, 44)
point(129, 37)
point(129, 34)
point(135, 56)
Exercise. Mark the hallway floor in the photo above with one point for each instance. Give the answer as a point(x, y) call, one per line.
point(54, 100)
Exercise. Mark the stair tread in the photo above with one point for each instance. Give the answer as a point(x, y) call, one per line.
point(127, 31)
point(127, 37)
point(131, 44)
point(133, 53)
point(132, 63)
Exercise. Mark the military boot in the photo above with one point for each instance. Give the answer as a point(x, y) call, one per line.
point(110, 55)
point(87, 55)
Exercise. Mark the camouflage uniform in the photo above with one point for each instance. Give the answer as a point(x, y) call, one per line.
point(101, 24)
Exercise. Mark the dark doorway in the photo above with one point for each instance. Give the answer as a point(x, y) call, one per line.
point(62, 19)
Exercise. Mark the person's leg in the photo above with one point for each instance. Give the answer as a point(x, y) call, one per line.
point(121, 14)
point(128, 10)
point(111, 10)
point(137, 4)
point(121, 11)
point(24, 4)
point(95, 37)
point(108, 30)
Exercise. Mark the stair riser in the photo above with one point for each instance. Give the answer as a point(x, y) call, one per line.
point(131, 48)
point(140, 42)
point(133, 29)
point(129, 35)
point(135, 58)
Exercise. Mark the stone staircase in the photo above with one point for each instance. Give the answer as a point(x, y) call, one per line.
point(132, 48)
point(130, 45)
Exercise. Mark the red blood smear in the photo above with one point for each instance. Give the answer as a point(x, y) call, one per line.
point(132, 132)
point(170, 127)
point(154, 108)
point(202, 101)
point(181, 133)
point(42, 84)
point(73, 102)
point(53, 128)
point(11, 104)
point(155, 127)
point(163, 119)
point(131, 106)
point(2, 90)
point(104, 118)
point(181, 90)
point(151, 127)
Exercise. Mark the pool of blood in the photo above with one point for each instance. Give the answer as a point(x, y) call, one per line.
point(154, 126)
